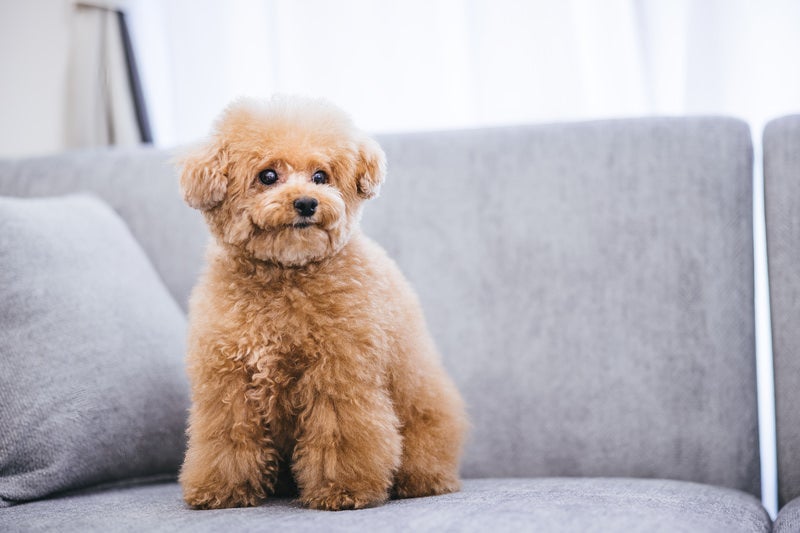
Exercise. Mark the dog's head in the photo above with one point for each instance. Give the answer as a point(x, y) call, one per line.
point(283, 180)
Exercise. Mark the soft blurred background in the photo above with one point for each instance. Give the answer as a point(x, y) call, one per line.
point(395, 66)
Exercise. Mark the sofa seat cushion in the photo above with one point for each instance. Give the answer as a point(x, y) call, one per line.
point(788, 520)
point(550, 504)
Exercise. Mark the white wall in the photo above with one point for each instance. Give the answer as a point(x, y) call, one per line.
point(34, 48)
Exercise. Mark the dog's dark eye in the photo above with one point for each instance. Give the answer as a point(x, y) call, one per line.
point(319, 177)
point(268, 176)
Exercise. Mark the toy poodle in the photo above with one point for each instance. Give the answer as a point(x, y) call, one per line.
point(311, 366)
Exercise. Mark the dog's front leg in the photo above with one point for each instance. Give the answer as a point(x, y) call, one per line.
point(231, 460)
point(348, 450)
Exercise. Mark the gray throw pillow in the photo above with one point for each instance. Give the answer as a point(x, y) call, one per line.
point(92, 384)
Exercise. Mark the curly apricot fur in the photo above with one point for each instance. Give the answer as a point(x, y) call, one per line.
point(308, 351)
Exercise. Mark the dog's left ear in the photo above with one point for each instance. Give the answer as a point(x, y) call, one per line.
point(371, 169)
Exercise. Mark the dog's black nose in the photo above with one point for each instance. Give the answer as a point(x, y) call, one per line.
point(306, 206)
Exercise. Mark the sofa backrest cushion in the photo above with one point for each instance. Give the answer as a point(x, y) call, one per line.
point(590, 286)
point(591, 289)
point(782, 200)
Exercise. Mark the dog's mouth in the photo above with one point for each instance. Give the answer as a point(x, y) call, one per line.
point(303, 224)
point(288, 226)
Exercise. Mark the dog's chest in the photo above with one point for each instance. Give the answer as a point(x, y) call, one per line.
point(296, 318)
point(297, 333)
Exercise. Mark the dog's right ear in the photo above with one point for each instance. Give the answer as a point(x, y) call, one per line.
point(204, 175)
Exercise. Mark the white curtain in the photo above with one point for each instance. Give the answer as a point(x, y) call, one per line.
point(432, 64)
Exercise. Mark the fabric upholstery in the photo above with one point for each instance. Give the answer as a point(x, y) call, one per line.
point(782, 199)
point(142, 187)
point(563, 505)
point(591, 289)
point(590, 285)
point(788, 520)
point(92, 386)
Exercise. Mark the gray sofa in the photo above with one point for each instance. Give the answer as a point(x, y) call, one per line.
point(591, 289)
point(782, 201)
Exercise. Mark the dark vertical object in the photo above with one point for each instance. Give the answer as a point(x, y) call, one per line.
point(135, 83)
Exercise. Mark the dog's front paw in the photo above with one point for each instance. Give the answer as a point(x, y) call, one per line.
point(335, 498)
point(222, 497)
point(418, 485)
